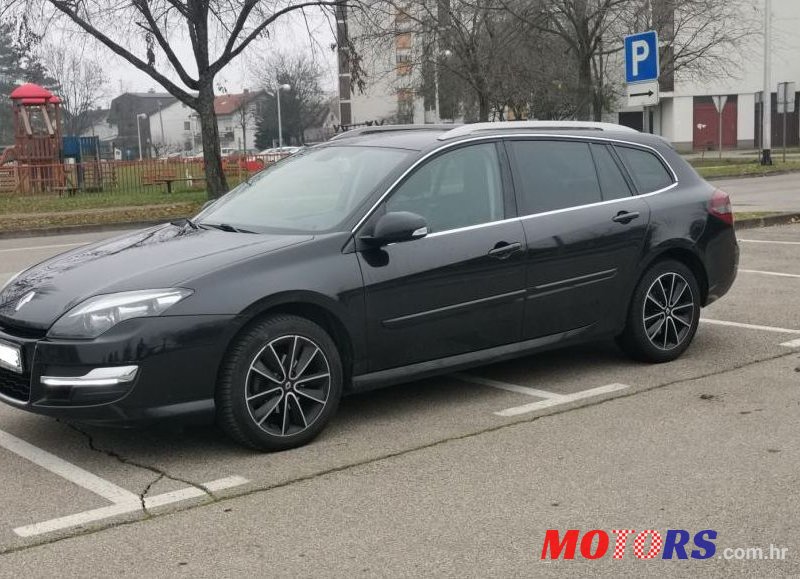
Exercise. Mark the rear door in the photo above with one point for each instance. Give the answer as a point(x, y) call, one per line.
point(585, 231)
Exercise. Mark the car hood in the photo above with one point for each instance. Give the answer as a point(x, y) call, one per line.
point(159, 257)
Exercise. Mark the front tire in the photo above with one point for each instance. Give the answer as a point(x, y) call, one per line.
point(280, 384)
point(663, 315)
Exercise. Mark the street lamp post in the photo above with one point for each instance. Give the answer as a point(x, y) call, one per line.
point(281, 87)
point(139, 118)
point(766, 102)
point(446, 53)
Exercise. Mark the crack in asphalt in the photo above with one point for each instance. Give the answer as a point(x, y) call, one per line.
point(160, 473)
point(143, 496)
point(373, 460)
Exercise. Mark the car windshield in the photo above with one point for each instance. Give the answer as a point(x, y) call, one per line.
point(313, 191)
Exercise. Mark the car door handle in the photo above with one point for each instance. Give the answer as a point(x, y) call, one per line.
point(504, 250)
point(625, 216)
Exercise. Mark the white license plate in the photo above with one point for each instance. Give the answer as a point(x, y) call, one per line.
point(11, 357)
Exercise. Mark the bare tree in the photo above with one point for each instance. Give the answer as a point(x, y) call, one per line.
point(81, 84)
point(458, 45)
point(141, 31)
point(696, 35)
point(248, 114)
point(302, 106)
point(582, 25)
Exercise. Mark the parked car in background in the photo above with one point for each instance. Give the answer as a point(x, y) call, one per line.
point(385, 255)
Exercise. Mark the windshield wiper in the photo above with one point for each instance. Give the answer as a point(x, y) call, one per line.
point(183, 222)
point(226, 227)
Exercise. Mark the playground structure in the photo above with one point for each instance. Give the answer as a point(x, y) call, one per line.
point(42, 162)
point(36, 154)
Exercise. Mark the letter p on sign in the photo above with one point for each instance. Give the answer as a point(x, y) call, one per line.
point(641, 57)
point(641, 50)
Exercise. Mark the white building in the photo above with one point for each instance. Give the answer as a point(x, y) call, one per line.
point(176, 128)
point(391, 94)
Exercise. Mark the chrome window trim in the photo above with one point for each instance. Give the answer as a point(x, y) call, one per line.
point(521, 218)
point(585, 138)
point(469, 227)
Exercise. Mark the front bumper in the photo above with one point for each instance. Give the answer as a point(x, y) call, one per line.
point(176, 359)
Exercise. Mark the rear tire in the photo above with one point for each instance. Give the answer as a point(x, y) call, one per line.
point(280, 384)
point(663, 314)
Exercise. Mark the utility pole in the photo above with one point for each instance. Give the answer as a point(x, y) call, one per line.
point(766, 103)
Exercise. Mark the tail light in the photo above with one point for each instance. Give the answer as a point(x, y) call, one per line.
point(720, 207)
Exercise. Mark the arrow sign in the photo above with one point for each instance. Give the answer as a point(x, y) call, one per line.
point(644, 94)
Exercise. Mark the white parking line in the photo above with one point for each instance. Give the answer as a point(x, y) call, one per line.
point(750, 326)
point(557, 399)
point(775, 273)
point(34, 247)
point(504, 386)
point(767, 241)
point(67, 470)
point(95, 515)
point(550, 398)
point(123, 500)
point(791, 344)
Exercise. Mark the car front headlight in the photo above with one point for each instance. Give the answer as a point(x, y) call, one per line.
point(99, 314)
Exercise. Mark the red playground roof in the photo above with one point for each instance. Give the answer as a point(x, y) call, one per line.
point(31, 91)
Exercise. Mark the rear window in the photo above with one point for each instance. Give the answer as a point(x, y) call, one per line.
point(646, 168)
point(554, 175)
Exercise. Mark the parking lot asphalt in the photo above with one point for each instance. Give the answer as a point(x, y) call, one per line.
point(456, 475)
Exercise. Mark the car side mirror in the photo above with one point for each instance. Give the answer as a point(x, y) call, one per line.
point(397, 226)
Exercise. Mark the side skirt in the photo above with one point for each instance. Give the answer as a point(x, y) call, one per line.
point(421, 370)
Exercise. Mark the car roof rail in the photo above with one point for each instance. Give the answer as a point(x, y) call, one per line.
point(463, 130)
point(360, 131)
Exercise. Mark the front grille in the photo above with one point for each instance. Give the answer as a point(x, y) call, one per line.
point(16, 386)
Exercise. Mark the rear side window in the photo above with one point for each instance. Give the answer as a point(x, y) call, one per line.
point(646, 168)
point(612, 182)
point(554, 175)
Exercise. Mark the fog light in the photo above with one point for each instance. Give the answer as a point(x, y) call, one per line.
point(111, 376)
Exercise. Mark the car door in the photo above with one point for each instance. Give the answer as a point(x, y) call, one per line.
point(460, 288)
point(585, 231)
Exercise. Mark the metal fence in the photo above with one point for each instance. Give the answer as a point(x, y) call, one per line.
point(123, 177)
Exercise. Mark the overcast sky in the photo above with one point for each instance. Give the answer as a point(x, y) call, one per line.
point(290, 35)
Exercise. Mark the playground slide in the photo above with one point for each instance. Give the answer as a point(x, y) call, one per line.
point(8, 156)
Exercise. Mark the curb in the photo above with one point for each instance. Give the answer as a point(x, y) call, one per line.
point(75, 229)
point(768, 220)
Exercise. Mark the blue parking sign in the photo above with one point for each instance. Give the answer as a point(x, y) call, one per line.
point(641, 57)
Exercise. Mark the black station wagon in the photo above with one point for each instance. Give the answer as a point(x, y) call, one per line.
point(385, 255)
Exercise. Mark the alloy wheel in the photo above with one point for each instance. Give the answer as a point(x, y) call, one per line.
point(669, 311)
point(288, 385)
